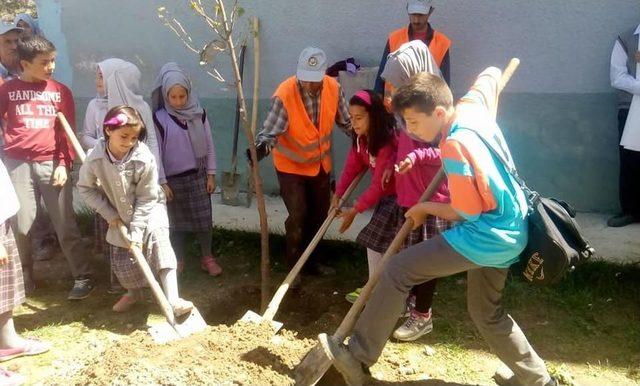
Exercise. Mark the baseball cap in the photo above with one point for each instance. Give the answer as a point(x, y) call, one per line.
point(419, 6)
point(312, 65)
point(6, 27)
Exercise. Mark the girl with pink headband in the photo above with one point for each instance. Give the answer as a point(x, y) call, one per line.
point(374, 147)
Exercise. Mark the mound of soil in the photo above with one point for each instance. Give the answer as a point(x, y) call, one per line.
point(243, 353)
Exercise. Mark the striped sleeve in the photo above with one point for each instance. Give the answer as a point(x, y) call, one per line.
point(470, 193)
point(485, 89)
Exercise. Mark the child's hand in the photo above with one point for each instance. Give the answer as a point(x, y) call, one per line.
point(418, 213)
point(116, 223)
point(136, 245)
point(167, 191)
point(4, 256)
point(386, 177)
point(211, 183)
point(404, 166)
point(347, 219)
point(335, 201)
point(59, 176)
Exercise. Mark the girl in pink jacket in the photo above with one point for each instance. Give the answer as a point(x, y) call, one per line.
point(374, 148)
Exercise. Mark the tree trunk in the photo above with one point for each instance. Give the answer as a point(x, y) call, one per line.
point(257, 180)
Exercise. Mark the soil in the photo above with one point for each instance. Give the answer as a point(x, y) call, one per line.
point(238, 354)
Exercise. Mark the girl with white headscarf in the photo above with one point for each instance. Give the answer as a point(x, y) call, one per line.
point(187, 155)
point(117, 83)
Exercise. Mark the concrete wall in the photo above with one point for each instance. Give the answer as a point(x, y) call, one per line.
point(558, 112)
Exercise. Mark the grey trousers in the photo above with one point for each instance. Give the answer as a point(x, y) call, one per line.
point(431, 259)
point(31, 181)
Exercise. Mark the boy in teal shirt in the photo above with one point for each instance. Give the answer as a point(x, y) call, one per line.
point(492, 231)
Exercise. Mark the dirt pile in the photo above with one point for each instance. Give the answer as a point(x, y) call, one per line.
point(238, 354)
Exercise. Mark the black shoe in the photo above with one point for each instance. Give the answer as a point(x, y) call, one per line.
point(622, 220)
point(352, 370)
point(81, 289)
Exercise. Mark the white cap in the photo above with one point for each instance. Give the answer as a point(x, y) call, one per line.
point(421, 7)
point(6, 27)
point(312, 65)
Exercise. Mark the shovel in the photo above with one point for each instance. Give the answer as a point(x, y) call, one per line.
point(231, 179)
point(175, 328)
point(274, 304)
point(316, 363)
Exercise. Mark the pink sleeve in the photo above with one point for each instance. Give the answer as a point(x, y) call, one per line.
point(374, 192)
point(352, 167)
point(425, 156)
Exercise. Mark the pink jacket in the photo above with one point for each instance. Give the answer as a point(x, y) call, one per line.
point(359, 160)
point(426, 162)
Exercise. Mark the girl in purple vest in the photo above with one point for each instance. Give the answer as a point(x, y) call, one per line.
point(188, 163)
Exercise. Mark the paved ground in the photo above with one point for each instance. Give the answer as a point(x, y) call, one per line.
point(615, 244)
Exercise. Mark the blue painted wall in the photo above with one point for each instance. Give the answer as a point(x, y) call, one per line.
point(558, 112)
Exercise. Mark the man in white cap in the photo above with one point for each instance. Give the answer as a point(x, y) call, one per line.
point(297, 131)
point(418, 29)
point(9, 63)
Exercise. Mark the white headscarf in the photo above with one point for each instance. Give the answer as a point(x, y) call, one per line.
point(170, 75)
point(411, 58)
point(122, 86)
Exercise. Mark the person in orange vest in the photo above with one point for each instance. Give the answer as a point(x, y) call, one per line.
point(297, 131)
point(418, 29)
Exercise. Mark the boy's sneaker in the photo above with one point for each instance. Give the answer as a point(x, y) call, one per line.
point(81, 289)
point(414, 327)
point(353, 296)
point(505, 377)
point(353, 371)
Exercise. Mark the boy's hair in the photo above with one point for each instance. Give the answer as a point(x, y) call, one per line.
point(121, 116)
point(33, 46)
point(382, 124)
point(424, 92)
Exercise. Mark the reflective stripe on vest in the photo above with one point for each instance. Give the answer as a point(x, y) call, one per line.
point(304, 148)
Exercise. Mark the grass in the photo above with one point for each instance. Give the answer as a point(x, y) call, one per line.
point(586, 328)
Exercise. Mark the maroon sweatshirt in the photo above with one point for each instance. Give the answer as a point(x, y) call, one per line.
point(31, 130)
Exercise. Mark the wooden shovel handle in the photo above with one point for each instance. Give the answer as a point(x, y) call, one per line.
point(71, 135)
point(167, 310)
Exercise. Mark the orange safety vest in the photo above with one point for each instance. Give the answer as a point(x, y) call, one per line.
point(303, 148)
point(438, 46)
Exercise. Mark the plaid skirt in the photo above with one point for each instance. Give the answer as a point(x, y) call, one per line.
point(433, 226)
point(11, 280)
point(379, 233)
point(190, 209)
point(158, 252)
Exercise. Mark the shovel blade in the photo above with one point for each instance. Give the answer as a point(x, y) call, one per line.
point(164, 332)
point(230, 188)
point(252, 317)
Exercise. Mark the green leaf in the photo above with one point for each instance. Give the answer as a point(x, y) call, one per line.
point(239, 11)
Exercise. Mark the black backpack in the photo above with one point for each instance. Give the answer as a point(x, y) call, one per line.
point(556, 244)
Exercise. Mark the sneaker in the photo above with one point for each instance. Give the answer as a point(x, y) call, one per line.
point(621, 220)
point(414, 327)
point(181, 307)
point(124, 304)
point(352, 370)
point(353, 296)
point(81, 289)
point(209, 264)
point(9, 378)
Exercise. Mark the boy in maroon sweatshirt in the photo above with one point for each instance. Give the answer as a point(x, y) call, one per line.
point(39, 158)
